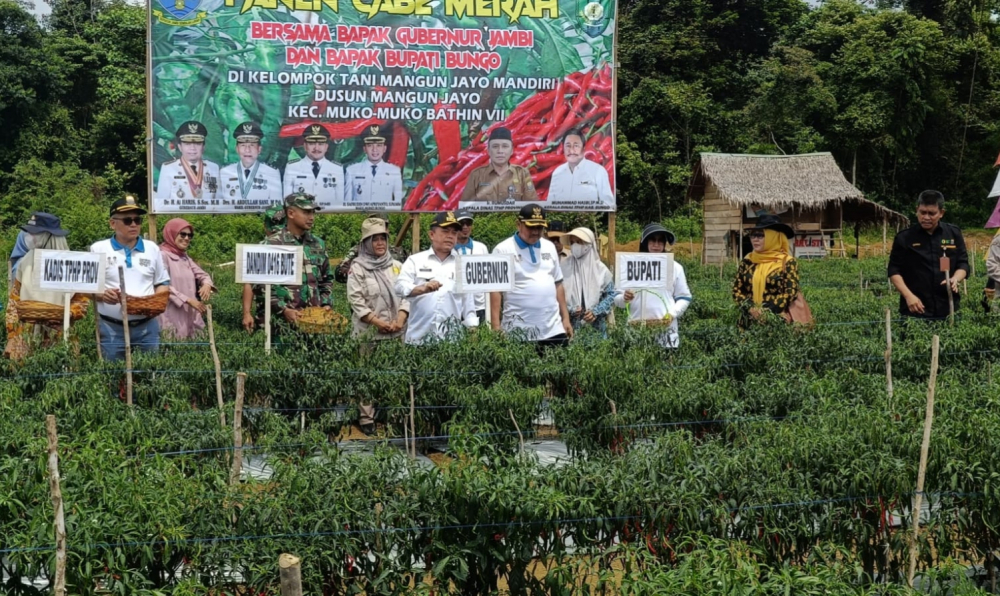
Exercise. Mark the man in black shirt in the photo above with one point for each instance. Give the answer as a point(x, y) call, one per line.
point(915, 261)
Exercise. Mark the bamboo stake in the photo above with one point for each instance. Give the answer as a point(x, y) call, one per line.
point(267, 318)
point(888, 353)
point(66, 302)
point(951, 299)
point(612, 237)
point(413, 422)
point(415, 226)
point(972, 260)
point(234, 475)
point(861, 284)
point(59, 588)
point(128, 340)
point(290, 575)
point(922, 469)
point(218, 365)
point(885, 225)
point(520, 437)
point(97, 331)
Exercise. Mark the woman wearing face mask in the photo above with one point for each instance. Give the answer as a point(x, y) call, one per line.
point(658, 307)
point(589, 286)
point(190, 286)
point(768, 277)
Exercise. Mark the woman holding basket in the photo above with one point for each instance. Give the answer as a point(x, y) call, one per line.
point(190, 286)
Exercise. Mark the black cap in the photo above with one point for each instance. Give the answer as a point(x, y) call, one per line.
point(767, 221)
point(372, 134)
point(127, 204)
point(532, 215)
point(445, 219)
point(651, 230)
point(464, 213)
point(44, 222)
point(556, 228)
point(192, 131)
point(500, 134)
point(316, 133)
point(248, 132)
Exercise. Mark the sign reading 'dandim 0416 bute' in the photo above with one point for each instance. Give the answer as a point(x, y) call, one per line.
point(70, 271)
point(644, 271)
point(269, 265)
point(381, 105)
point(484, 273)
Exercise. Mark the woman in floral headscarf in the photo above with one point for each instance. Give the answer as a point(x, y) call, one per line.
point(768, 277)
point(190, 286)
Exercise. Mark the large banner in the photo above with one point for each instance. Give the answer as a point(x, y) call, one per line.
point(382, 105)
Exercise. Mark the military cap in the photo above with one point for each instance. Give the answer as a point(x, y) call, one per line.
point(372, 135)
point(274, 218)
point(532, 215)
point(301, 200)
point(127, 204)
point(316, 133)
point(248, 132)
point(445, 219)
point(192, 131)
point(500, 134)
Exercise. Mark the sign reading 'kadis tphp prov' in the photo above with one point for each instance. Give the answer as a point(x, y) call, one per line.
point(644, 271)
point(484, 273)
point(69, 271)
point(269, 265)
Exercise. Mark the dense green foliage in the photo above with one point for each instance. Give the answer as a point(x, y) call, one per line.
point(770, 460)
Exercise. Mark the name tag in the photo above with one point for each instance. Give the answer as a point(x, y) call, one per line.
point(586, 183)
point(546, 256)
point(145, 262)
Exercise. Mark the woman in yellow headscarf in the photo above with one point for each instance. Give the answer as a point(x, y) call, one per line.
point(768, 277)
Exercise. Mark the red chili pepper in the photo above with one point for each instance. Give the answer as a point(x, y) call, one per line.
point(400, 144)
point(448, 134)
point(593, 143)
point(544, 160)
point(442, 194)
point(466, 169)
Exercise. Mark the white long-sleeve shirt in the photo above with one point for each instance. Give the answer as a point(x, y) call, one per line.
point(432, 313)
point(656, 304)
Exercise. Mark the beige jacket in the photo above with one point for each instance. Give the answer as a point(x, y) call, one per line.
point(364, 296)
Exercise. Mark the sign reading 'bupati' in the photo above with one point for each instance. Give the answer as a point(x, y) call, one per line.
point(638, 271)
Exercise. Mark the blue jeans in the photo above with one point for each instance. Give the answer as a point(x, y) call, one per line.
point(144, 337)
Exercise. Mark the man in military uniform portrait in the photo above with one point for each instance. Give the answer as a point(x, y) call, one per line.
point(315, 174)
point(190, 178)
point(249, 183)
point(500, 181)
point(374, 181)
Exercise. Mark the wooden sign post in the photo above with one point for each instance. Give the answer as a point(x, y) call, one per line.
point(269, 265)
point(70, 272)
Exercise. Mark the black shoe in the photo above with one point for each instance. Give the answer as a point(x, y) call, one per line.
point(368, 429)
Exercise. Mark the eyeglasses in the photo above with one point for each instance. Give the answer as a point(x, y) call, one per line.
point(756, 234)
point(186, 234)
point(130, 221)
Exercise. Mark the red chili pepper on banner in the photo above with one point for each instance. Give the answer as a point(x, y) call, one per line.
point(400, 144)
point(447, 133)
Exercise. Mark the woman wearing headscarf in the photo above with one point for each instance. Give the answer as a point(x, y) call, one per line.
point(377, 312)
point(658, 307)
point(768, 278)
point(190, 286)
point(42, 232)
point(587, 282)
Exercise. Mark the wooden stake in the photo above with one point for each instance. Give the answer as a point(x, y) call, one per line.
point(128, 339)
point(972, 260)
point(218, 365)
point(413, 423)
point(66, 302)
point(290, 575)
point(520, 437)
point(402, 231)
point(888, 353)
point(415, 218)
point(267, 318)
point(885, 226)
point(861, 284)
point(612, 228)
point(59, 587)
point(951, 299)
point(922, 469)
point(234, 475)
point(97, 331)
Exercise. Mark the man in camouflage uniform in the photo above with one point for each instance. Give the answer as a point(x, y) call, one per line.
point(398, 252)
point(317, 279)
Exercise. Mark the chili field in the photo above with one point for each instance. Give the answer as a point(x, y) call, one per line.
point(771, 461)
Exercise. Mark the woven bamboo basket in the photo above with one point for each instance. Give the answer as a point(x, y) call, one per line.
point(32, 311)
point(652, 323)
point(148, 306)
point(320, 321)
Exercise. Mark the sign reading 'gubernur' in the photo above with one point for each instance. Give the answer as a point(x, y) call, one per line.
point(484, 273)
point(70, 271)
point(274, 265)
point(638, 271)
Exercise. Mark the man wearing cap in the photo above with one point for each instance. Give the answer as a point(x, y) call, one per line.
point(579, 182)
point(500, 181)
point(427, 279)
point(315, 174)
point(145, 275)
point(465, 245)
point(554, 234)
point(190, 179)
point(250, 184)
point(287, 302)
point(374, 181)
point(537, 305)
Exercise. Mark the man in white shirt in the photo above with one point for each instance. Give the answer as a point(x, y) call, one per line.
point(249, 184)
point(315, 174)
point(191, 181)
point(374, 183)
point(465, 245)
point(537, 305)
point(428, 280)
point(579, 183)
point(145, 275)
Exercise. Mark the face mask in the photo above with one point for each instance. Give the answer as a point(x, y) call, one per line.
point(579, 250)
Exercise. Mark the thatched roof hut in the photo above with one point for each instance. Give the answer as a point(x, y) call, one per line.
point(808, 191)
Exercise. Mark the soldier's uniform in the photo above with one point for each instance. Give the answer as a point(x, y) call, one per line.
point(250, 188)
point(323, 179)
point(378, 182)
point(514, 186)
point(317, 279)
point(179, 183)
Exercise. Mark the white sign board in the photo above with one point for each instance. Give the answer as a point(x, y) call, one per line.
point(644, 271)
point(70, 271)
point(484, 273)
point(269, 265)
point(810, 246)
